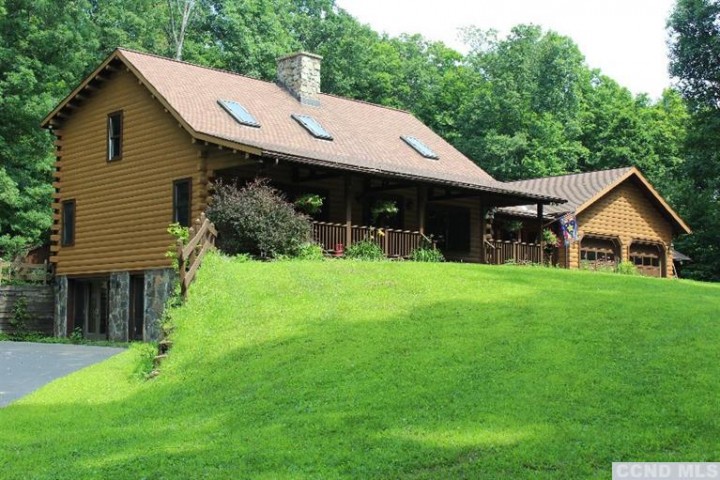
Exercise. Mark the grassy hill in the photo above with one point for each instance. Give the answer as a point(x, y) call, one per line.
point(392, 370)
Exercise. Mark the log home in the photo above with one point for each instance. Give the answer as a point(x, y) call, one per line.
point(139, 140)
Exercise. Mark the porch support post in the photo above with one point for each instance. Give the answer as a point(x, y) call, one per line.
point(483, 232)
point(422, 207)
point(540, 232)
point(348, 211)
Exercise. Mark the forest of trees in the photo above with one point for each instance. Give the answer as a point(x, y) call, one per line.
point(521, 106)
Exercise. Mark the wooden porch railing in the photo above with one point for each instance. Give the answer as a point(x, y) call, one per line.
point(202, 239)
point(498, 252)
point(394, 243)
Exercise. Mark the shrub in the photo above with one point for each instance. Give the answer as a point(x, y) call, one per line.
point(258, 220)
point(627, 268)
point(178, 232)
point(20, 319)
point(365, 250)
point(425, 254)
point(311, 251)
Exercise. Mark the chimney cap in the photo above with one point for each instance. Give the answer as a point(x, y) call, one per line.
point(300, 53)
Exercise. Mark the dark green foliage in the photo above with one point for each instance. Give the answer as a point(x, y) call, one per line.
point(695, 60)
point(257, 219)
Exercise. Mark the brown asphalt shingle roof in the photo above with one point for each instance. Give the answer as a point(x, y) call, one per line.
point(578, 188)
point(366, 136)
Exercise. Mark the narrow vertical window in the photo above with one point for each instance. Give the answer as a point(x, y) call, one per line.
point(68, 223)
point(114, 136)
point(181, 202)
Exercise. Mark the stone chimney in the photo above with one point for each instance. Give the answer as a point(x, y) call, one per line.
point(299, 73)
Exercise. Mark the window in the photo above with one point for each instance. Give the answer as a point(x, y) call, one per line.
point(312, 126)
point(181, 202)
point(239, 113)
point(114, 136)
point(420, 147)
point(68, 223)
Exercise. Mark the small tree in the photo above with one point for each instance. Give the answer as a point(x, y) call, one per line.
point(257, 219)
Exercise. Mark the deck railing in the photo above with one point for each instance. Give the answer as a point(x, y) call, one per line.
point(394, 243)
point(501, 251)
point(190, 255)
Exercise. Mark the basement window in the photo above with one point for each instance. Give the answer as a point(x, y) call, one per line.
point(114, 136)
point(68, 223)
point(312, 126)
point(239, 113)
point(420, 147)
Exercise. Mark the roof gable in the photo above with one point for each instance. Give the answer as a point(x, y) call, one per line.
point(583, 189)
point(366, 137)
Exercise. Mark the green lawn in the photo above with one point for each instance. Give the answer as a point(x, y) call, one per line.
point(393, 370)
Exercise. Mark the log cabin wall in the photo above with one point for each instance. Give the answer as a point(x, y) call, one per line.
point(124, 206)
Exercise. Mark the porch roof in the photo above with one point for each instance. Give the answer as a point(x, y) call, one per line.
point(366, 138)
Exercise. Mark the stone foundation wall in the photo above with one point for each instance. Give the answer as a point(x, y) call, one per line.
point(159, 286)
point(40, 300)
point(119, 311)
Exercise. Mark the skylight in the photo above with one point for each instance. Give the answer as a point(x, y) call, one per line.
point(239, 113)
point(420, 147)
point(312, 126)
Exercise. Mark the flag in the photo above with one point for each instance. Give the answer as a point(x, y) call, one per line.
point(568, 224)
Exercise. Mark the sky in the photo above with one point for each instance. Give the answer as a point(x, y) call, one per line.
point(625, 39)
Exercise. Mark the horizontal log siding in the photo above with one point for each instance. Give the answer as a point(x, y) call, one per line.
point(123, 207)
point(627, 214)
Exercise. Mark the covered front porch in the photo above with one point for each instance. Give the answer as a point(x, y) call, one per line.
point(451, 217)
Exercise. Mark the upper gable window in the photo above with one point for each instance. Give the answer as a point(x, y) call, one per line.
point(312, 126)
point(239, 113)
point(420, 147)
point(114, 136)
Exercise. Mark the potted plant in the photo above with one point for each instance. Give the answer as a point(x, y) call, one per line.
point(383, 210)
point(309, 203)
point(514, 227)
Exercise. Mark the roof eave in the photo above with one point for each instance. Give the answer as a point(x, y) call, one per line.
point(433, 180)
point(46, 122)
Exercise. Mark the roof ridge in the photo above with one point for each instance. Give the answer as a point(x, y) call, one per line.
point(573, 174)
point(230, 72)
point(183, 62)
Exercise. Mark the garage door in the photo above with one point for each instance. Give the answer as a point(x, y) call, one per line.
point(598, 254)
point(647, 259)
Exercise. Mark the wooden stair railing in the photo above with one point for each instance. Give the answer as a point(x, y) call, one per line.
point(202, 239)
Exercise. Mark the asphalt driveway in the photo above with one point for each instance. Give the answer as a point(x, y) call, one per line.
point(26, 366)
